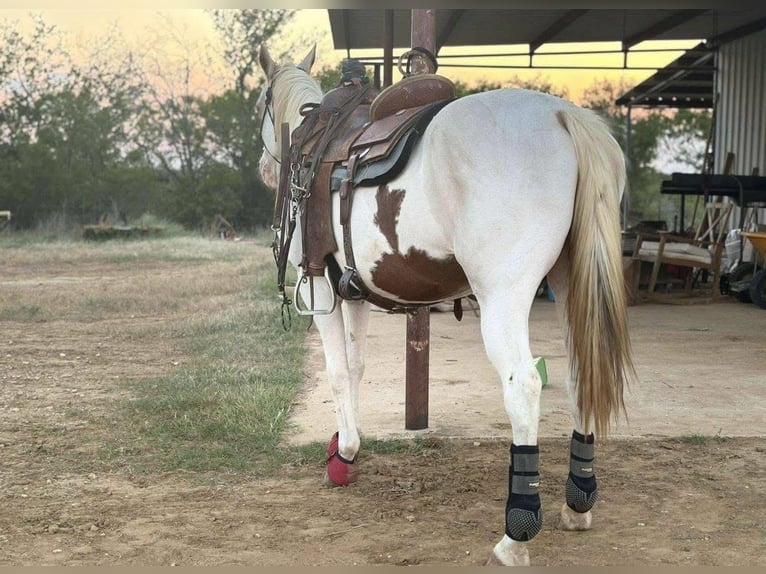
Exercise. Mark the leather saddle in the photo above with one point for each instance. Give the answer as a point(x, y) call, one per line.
point(361, 136)
point(354, 137)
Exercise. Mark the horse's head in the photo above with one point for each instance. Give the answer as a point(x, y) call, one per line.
point(287, 88)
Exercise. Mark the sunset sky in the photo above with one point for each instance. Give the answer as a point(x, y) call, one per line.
point(140, 28)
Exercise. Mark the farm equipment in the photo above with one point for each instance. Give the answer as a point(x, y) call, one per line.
point(746, 281)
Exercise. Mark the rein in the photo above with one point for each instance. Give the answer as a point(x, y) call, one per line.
point(284, 221)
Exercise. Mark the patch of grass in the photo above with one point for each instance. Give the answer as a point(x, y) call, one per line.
point(22, 312)
point(403, 446)
point(700, 439)
point(229, 407)
point(40, 250)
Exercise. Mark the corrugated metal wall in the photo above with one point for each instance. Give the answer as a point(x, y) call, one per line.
point(741, 113)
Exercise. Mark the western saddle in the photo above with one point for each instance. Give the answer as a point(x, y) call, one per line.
point(354, 136)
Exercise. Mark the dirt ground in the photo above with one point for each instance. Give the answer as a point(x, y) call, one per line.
point(701, 370)
point(682, 485)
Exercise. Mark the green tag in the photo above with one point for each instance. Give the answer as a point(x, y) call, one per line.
point(540, 366)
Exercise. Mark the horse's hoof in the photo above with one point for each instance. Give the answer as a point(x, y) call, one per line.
point(493, 561)
point(516, 559)
point(571, 520)
point(339, 472)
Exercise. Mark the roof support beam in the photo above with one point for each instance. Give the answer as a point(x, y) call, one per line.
point(749, 28)
point(388, 48)
point(696, 65)
point(550, 32)
point(347, 32)
point(650, 33)
point(454, 18)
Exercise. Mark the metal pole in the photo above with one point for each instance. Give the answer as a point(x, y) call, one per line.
point(388, 49)
point(417, 359)
point(418, 319)
point(423, 36)
point(626, 195)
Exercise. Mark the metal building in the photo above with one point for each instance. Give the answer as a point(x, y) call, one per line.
point(741, 114)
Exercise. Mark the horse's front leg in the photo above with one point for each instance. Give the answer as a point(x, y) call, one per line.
point(356, 316)
point(344, 445)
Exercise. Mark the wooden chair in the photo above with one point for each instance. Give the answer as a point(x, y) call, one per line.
point(701, 252)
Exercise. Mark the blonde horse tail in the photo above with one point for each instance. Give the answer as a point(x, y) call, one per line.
point(598, 338)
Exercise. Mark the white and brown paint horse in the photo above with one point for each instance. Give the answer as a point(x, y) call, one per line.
point(504, 188)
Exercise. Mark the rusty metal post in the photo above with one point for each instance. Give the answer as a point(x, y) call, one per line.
point(419, 319)
point(423, 36)
point(417, 358)
point(388, 48)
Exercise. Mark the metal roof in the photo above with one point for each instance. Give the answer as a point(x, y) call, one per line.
point(686, 82)
point(365, 28)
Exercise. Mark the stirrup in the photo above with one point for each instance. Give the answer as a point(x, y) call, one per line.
point(347, 289)
point(307, 311)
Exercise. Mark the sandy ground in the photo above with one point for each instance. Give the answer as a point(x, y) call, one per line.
point(701, 370)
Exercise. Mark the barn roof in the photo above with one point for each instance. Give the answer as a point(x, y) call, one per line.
point(478, 26)
point(686, 82)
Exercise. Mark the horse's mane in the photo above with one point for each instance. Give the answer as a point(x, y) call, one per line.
point(292, 88)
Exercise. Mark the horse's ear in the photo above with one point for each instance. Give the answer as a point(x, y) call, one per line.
point(264, 59)
point(308, 61)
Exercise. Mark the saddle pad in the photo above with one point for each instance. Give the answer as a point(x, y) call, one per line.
point(377, 172)
point(385, 169)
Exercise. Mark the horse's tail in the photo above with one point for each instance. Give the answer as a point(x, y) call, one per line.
point(596, 309)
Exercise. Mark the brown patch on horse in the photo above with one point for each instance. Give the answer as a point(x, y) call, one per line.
point(389, 206)
point(415, 276)
point(412, 276)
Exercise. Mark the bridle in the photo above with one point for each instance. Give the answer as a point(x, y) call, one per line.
point(268, 110)
point(286, 203)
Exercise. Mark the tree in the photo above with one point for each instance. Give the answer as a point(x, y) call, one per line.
point(65, 127)
point(230, 117)
point(643, 179)
point(658, 138)
point(27, 72)
point(242, 32)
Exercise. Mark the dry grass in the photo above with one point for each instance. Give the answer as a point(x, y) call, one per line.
point(173, 346)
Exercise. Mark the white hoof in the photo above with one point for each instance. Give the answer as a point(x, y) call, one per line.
point(571, 520)
point(509, 553)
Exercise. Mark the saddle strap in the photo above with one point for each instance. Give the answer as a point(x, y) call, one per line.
point(351, 286)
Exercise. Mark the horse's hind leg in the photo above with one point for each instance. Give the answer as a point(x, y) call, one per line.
point(581, 487)
point(505, 330)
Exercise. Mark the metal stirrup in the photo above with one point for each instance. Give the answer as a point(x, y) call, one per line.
point(311, 311)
